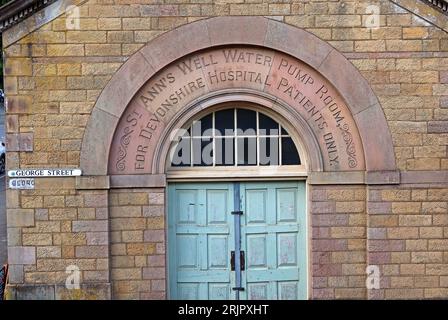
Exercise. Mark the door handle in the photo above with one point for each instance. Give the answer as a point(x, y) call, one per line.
point(242, 261)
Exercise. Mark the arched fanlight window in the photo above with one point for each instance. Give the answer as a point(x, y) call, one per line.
point(234, 137)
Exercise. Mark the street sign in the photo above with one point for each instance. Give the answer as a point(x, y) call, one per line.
point(33, 173)
point(21, 183)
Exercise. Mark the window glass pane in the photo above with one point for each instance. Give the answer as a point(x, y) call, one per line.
point(247, 151)
point(203, 126)
point(225, 151)
point(267, 126)
point(290, 155)
point(197, 147)
point(181, 157)
point(225, 122)
point(269, 152)
point(246, 122)
point(202, 152)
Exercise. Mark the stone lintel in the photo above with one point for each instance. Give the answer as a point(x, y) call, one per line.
point(337, 177)
point(355, 177)
point(383, 177)
point(408, 177)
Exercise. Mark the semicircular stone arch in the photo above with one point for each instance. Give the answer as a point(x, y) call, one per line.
point(299, 73)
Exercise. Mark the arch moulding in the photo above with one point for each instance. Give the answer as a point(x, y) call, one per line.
point(363, 112)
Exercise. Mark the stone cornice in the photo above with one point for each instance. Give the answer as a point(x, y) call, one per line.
point(429, 11)
point(15, 11)
point(441, 5)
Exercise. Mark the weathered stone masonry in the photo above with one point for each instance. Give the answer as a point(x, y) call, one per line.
point(54, 77)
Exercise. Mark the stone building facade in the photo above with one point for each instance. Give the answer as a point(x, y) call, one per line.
point(82, 78)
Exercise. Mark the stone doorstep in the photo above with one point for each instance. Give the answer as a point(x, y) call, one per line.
point(93, 291)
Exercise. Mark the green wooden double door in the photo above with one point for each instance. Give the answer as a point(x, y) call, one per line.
point(205, 236)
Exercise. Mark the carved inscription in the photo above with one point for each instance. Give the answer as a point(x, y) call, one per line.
point(277, 74)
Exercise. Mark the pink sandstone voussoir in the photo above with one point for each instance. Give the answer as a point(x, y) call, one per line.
point(96, 143)
point(296, 42)
point(129, 78)
point(173, 45)
point(346, 78)
point(238, 30)
point(376, 138)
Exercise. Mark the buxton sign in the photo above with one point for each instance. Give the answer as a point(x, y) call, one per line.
point(27, 183)
point(273, 73)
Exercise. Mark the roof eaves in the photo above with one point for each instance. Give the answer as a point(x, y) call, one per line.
point(17, 10)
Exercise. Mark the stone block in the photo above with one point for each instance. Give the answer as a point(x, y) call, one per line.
point(63, 214)
point(426, 257)
point(155, 223)
point(139, 249)
point(153, 273)
point(417, 245)
point(153, 211)
point(15, 274)
point(123, 261)
point(109, 24)
point(49, 252)
point(34, 292)
point(132, 236)
point(92, 251)
point(92, 226)
point(156, 261)
point(19, 104)
point(348, 232)
point(154, 235)
point(73, 239)
point(37, 239)
point(91, 291)
point(125, 211)
point(437, 126)
point(18, 67)
point(95, 200)
point(128, 224)
point(86, 36)
point(97, 238)
point(65, 50)
point(86, 213)
point(126, 274)
point(20, 217)
point(386, 245)
point(379, 207)
point(402, 233)
point(21, 255)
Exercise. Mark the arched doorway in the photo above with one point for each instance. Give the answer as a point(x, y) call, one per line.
point(325, 105)
point(239, 232)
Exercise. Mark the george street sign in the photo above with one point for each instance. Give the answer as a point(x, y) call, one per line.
point(33, 173)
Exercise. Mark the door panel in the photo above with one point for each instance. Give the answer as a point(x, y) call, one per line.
point(275, 246)
point(201, 238)
point(199, 221)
